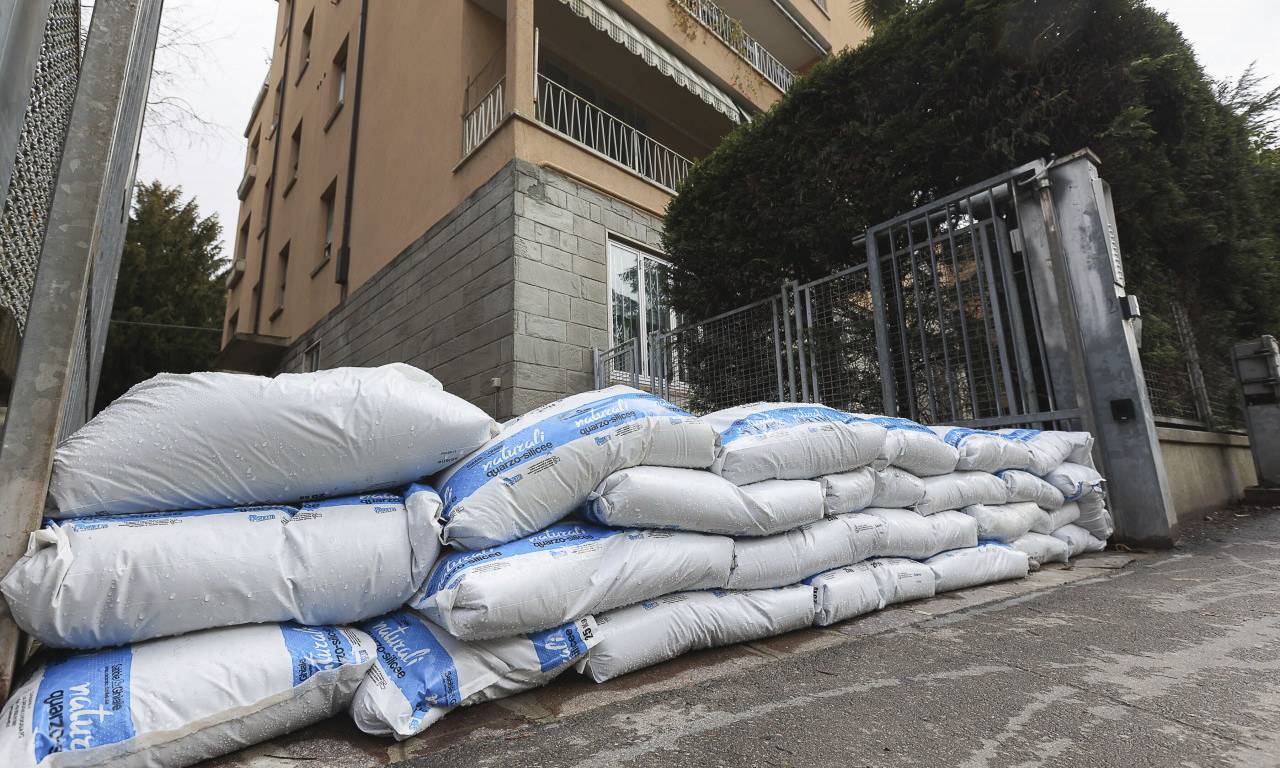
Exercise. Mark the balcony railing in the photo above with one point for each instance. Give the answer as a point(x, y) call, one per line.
point(565, 112)
point(484, 118)
point(730, 32)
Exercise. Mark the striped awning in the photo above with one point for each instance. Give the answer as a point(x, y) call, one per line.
point(651, 51)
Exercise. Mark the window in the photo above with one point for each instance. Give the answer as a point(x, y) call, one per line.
point(638, 297)
point(339, 86)
point(295, 152)
point(275, 114)
point(242, 245)
point(232, 322)
point(253, 147)
point(304, 46)
point(282, 262)
point(327, 203)
point(311, 357)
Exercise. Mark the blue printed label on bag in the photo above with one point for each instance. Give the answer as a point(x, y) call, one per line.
point(316, 649)
point(411, 656)
point(560, 646)
point(1025, 435)
point(775, 419)
point(83, 702)
point(893, 422)
point(591, 420)
point(146, 519)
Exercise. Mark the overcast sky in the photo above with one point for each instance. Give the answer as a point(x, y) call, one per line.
point(228, 43)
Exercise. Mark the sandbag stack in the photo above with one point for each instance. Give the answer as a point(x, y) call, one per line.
point(606, 532)
point(209, 536)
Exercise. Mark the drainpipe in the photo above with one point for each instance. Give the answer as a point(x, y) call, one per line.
point(343, 268)
point(275, 165)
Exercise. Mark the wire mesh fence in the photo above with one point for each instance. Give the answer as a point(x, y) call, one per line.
point(1189, 378)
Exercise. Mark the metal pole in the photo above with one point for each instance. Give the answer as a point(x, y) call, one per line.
point(881, 321)
point(96, 173)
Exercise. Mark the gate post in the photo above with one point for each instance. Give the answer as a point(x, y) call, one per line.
point(1115, 393)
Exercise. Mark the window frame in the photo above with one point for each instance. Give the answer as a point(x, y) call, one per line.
point(641, 296)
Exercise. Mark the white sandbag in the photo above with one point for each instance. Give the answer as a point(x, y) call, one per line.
point(786, 441)
point(786, 558)
point(912, 535)
point(98, 581)
point(849, 491)
point(544, 464)
point(864, 587)
point(1079, 540)
point(1004, 522)
point(1041, 548)
point(1052, 520)
point(179, 700)
point(1094, 516)
point(912, 447)
point(897, 489)
point(566, 571)
point(986, 563)
point(1024, 486)
point(423, 672)
point(1075, 480)
point(1050, 448)
point(984, 451)
point(207, 440)
point(696, 500)
point(958, 490)
point(649, 633)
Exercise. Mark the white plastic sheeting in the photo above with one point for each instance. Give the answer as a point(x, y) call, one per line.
point(641, 635)
point(1004, 522)
point(544, 464)
point(984, 451)
point(958, 490)
point(207, 440)
point(912, 447)
point(786, 441)
point(983, 564)
point(93, 582)
point(849, 491)
point(786, 558)
point(180, 700)
point(911, 535)
point(1041, 548)
point(694, 500)
point(566, 571)
point(423, 672)
point(1024, 486)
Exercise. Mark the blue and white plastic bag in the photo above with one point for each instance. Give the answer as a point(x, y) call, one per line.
point(1051, 448)
point(1004, 522)
point(180, 700)
point(912, 535)
point(544, 464)
point(657, 630)
point(958, 490)
point(786, 441)
point(912, 447)
point(99, 581)
point(210, 440)
point(423, 672)
point(786, 558)
point(695, 500)
point(849, 491)
point(568, 570)
point(1024, 486)
point(986, 563)
point(984, 451)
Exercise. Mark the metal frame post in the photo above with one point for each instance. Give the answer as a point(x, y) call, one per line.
point(95, 183)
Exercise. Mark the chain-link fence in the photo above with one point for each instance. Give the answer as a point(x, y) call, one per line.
point(1189, 378)
point(35, 169)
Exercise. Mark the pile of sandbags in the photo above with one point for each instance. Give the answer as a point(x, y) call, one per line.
point(606, 532)
point(160, 585)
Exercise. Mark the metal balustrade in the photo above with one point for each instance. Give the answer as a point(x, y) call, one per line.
point(565, 112)
point(484, 118)
point(729, 31)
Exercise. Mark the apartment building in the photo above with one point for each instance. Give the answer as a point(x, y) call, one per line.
point(476, 187)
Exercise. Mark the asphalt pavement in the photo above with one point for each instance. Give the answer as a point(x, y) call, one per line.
point(1171, 660)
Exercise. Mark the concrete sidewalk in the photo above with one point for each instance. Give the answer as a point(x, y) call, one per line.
point(1121, 660)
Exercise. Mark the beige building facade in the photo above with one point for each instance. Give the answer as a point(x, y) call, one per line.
point(476, 186)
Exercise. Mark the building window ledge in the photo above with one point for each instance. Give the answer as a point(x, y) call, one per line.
point(289, 186)
point(337, 109)
point(323, 262)
point(302, 70)
point(276, 312)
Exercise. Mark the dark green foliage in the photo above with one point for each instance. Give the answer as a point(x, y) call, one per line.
point(170, 274)
point(951, 92)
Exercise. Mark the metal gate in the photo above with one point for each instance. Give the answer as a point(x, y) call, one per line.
point(940, 323)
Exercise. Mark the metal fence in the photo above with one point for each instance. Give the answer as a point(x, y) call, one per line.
point(729, 31)
point(1188, 382)
point(939, 324)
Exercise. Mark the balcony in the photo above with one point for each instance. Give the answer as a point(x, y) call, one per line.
point(246, 181)
point(484, 118)
point(729, 31)
point(567, 113)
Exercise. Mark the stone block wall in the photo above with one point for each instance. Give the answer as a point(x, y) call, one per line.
point(444, 304)
point(561, 280)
